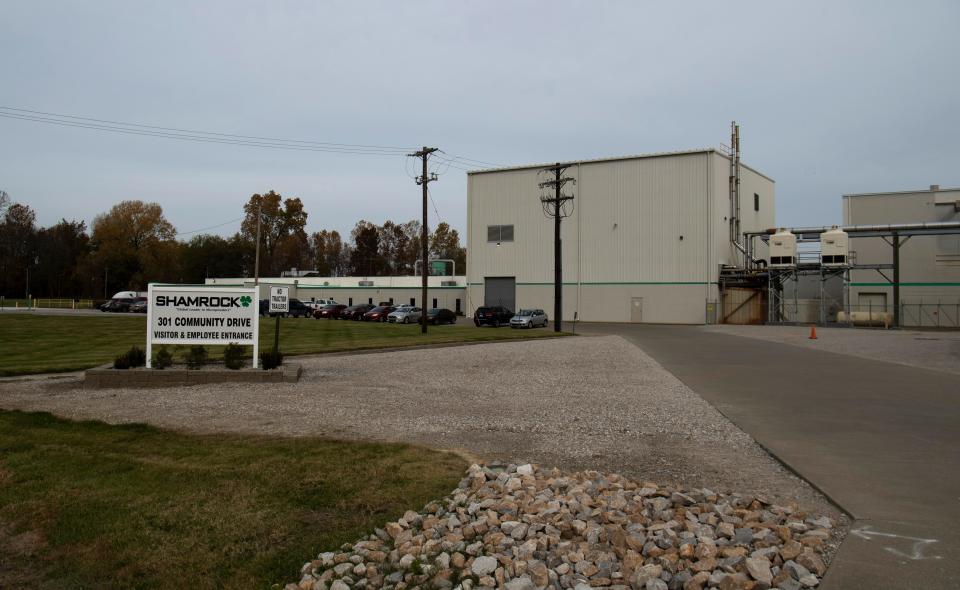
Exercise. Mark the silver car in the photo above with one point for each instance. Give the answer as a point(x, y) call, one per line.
point(529, 318)
point(405, 315)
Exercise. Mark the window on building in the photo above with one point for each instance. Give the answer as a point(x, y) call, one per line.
point(413, 301)
point(350, 301)
point(391, 301)
point(756, 202)
point(458, 306)
point(499, 233)
point(434, 302)
point(948, 250)
point(369, 300)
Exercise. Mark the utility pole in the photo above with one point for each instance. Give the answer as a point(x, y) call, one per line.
point(256, 262)
point(553, 206)
point(423, 180)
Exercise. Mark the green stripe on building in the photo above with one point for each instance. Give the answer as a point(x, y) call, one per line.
point(905, 284)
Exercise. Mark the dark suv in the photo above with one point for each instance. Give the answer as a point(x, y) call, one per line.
point(495, 316)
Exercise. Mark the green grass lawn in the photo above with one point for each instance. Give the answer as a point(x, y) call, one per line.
point(89, 505)
point(47, 344)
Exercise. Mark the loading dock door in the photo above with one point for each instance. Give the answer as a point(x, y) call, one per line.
point(636, 310)
point(872, 302)
point(500, 291)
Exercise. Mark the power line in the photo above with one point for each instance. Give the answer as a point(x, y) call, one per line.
point(197, 138)
point(210, 133)
point(455, 161)
point(187, 233)
point(456, 157)
point(434, 203)
point(182, 134)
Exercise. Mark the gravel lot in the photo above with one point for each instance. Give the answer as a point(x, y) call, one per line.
point(928, 349)
point(575, 403)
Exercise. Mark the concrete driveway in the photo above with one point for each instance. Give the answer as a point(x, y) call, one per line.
point(880, 439)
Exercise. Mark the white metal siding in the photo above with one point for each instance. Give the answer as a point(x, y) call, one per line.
point(922, 278)
point(623, 239)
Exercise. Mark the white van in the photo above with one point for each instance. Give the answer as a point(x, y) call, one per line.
point(318, 303)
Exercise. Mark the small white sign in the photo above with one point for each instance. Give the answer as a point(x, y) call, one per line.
point(187, 314)
point(279, 299)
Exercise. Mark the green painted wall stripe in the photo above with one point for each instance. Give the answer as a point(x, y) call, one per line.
point(905, 284)
point(196, 285)
point(601, 283)
point(418, 287)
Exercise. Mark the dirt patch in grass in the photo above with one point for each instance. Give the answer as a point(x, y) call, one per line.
point(86, 504)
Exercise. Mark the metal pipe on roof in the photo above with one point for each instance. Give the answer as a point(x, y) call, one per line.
point(852, 229)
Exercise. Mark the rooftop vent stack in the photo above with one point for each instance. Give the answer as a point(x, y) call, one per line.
point(735, 185)
point(783, 249)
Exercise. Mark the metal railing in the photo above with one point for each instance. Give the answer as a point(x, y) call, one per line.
point(919, 314)
point(930, 315)
point(37, 303)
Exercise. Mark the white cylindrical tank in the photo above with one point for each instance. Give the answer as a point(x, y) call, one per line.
point(866, 318)
point(783, 249)
point(834, 247)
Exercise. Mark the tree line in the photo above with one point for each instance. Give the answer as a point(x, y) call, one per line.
point(133, 244)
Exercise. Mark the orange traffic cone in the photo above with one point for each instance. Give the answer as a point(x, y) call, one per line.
point(813, 331)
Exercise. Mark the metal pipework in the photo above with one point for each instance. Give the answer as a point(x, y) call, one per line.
point(852, 229)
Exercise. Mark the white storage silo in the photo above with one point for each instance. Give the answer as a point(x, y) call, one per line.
point(834, 247)
point(783, 249)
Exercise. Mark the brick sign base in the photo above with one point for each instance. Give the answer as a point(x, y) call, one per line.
point(102, 378)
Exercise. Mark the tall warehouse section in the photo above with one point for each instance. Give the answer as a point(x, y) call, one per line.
point(644, 242)
point(930, 265)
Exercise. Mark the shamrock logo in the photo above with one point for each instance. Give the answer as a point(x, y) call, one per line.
point(245, 300)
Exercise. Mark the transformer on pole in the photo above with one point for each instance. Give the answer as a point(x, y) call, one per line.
point(554, 206)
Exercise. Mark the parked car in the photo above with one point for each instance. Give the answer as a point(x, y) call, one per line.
point(529, 318)
point(405, 315)
point(378, 313)
point(495, 316)
point(120, 304)
point(355, 312)
point(318, 304)
point(441, 316)
point(121, 299)
point(330, 311)
point(298, 309)
point(139, 306)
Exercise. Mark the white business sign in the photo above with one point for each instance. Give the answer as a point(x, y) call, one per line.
point(279, 299)
point(202, 315)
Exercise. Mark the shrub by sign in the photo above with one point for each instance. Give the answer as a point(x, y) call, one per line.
point(202, 316)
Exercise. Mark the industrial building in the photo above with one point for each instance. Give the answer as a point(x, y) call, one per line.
point(929, 264)
point(684, 237)
point(645, 240)
point(448, 292)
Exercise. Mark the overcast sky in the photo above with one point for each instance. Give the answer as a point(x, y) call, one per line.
point(832, 97)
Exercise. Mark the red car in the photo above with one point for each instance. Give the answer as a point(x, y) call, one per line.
point(355, 312)
point(378, 314)
point(329, 311)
